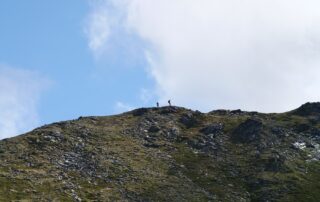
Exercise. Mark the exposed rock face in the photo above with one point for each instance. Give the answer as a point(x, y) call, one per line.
point(308, 109)
point(212, 128)
point(247, 131)
point(167, 154)
point(154, 129)
point(139, 112)
point(190, 119)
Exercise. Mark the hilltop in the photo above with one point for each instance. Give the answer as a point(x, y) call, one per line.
point(167, 154)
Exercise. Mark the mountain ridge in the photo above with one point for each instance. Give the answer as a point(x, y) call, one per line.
point(167, 153)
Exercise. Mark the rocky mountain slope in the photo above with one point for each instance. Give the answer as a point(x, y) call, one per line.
point(167, 154)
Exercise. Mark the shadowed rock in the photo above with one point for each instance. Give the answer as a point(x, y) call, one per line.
point(308, 109)
point(139, 112)
point(189, 120)
point(212, 128)
point(247, 131)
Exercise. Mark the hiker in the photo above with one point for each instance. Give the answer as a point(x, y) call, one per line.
point(158, 104)
point(169, 101)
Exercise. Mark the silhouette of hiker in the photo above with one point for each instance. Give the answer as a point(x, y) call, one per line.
point(158, 104)
point(169, 102)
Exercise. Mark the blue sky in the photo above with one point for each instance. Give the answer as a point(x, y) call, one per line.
point(63, 59)
point(47, 37)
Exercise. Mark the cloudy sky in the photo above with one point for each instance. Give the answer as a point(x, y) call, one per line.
point(63, 59)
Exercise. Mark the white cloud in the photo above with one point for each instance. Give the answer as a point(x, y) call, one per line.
point(102, 23)
point(19, 94)
point(97, 28)
point(255, 55)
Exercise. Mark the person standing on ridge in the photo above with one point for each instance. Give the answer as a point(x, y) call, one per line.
point(158, 104)
point(169, 102)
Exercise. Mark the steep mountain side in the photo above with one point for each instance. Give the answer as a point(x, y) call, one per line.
point(167, 154)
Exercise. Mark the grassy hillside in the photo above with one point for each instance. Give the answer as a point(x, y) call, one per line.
point(167, 154)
